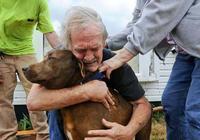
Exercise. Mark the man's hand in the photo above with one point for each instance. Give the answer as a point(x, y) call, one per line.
point(122, 56)
point(98, 91)
point(115, 132)
point(1, 78)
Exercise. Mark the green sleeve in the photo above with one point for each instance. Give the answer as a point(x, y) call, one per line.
point(44, 22)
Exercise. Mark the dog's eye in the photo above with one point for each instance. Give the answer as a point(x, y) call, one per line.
point(51, 58)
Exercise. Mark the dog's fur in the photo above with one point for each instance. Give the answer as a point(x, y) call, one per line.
point(61, 69)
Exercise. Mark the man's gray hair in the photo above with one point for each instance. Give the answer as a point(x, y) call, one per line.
point(79, 17)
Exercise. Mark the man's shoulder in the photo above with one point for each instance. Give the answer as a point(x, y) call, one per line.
point(107, 54)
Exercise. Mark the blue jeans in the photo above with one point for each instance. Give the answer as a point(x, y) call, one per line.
point(181, 99)
point(55, 126)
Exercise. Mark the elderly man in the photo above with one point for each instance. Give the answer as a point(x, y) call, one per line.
point(85, 35)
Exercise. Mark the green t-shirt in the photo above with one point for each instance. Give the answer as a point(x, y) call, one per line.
point(18, 19)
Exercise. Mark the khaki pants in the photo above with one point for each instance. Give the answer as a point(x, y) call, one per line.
point(9, 67)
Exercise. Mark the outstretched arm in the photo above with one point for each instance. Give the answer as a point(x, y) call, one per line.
point(157, 20)
point(116, 61)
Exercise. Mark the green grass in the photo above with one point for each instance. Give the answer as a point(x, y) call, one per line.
point(158, 126)
point(158, 116)
point(24, 123)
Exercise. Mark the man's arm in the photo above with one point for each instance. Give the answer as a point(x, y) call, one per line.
point(41, 98)
point(141, 115)
point(125, 81)
point(158, 18)
point(53, 39)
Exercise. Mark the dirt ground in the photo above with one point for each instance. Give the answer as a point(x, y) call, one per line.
point(27, 137)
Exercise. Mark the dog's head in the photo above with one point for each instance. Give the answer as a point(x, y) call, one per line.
point(59, 69)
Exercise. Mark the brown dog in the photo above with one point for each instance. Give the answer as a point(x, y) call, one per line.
point(61, 69)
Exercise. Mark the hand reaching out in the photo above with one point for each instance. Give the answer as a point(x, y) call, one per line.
point(122, 56)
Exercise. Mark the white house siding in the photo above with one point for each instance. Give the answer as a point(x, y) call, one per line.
point(19, 96)
point(154, 89)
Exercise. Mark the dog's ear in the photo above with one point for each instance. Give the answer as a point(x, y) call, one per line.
point(82, 68)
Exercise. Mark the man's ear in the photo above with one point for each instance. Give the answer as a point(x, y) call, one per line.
point(82, 68)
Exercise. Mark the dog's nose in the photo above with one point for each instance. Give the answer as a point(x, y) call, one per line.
point(25, 69)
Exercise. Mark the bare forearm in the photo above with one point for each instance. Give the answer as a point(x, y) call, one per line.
point(40, 98)
point(141, 115)
point(124, 55)
point(53, 39)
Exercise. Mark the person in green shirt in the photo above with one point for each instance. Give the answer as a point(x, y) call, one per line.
point(18, 20)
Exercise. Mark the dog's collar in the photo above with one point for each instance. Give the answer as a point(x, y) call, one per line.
point(82, 69)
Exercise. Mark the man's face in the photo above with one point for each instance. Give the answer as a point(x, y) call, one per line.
point(87, 46)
